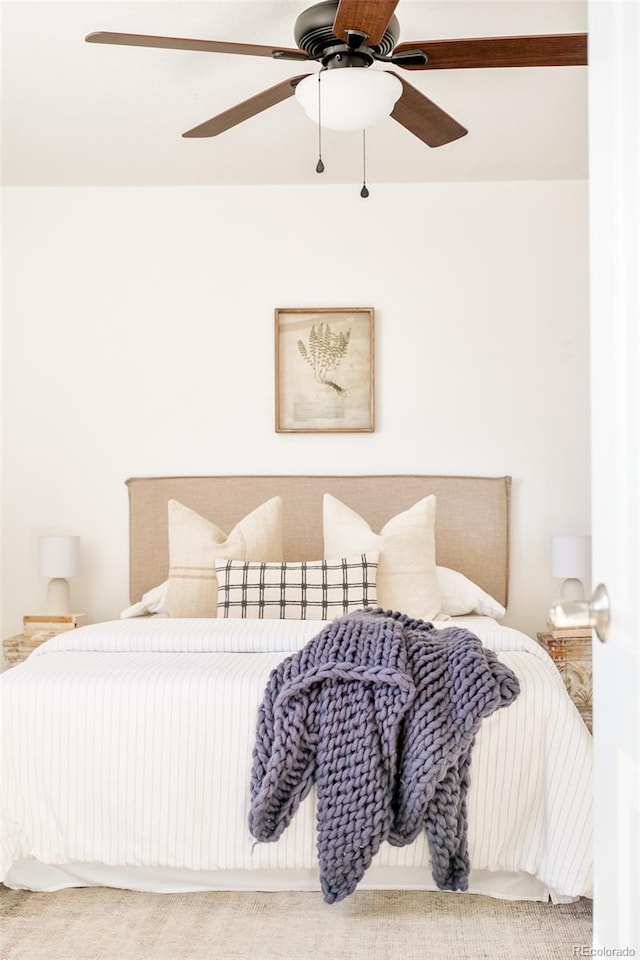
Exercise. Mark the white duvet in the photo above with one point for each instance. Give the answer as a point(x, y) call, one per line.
point(129, 743)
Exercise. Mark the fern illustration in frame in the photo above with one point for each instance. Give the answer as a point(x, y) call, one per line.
point(324, 369)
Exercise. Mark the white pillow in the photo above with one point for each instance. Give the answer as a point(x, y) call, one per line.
point(196, 543)
point(299, 590)
point(459, 596)
point(152, 602)
point(407, 580)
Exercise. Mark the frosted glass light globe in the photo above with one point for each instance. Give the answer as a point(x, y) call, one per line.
point(352, 98)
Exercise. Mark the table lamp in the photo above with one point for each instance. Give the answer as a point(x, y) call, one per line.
point(58, 559)
point(571, 563)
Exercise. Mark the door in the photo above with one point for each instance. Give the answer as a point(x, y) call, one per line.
point(614, 172)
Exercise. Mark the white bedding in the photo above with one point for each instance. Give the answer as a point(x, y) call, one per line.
point(128, 745)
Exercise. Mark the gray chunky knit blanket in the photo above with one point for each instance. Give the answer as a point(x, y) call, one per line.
point(380, 712)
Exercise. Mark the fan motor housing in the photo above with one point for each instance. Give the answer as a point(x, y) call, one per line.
point(313, 31)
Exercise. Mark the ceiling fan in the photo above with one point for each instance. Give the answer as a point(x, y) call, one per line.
point(357, 33)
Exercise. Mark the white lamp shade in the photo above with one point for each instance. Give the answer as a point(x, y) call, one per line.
point(570, 557)
point(351, 98)
point(58, 556)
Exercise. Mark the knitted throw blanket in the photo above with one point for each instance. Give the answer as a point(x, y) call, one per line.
point(381, 712)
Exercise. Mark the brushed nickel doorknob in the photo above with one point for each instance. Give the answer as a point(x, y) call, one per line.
point(594, 613)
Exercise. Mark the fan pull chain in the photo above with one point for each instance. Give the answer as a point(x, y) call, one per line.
point(319, 164)
point(364, 192)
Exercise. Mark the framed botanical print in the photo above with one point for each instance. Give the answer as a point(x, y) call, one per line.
point(324, 370)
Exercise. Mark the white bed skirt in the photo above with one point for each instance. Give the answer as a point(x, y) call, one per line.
point(44, 877)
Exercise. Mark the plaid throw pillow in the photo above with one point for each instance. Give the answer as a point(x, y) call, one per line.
point(304, 590)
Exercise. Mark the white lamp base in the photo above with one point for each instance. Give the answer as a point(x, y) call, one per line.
point(572, 589)
point(58, 598)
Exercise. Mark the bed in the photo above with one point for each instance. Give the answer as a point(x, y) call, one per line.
point(127, 745)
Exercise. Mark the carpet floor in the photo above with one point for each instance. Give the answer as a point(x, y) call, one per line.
point(105, 924)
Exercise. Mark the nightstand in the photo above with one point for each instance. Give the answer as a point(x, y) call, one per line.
point(572, 657)
point(35, 630)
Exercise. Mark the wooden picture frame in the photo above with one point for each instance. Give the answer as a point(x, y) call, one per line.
point(324, 374)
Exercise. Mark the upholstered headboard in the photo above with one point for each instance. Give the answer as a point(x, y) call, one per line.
point(472, 517)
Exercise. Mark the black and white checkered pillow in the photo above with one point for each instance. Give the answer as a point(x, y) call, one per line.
point(304, 590)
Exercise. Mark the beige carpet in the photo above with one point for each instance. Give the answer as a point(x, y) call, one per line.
point(105, 924)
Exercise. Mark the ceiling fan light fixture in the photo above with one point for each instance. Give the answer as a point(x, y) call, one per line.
point(353, 98)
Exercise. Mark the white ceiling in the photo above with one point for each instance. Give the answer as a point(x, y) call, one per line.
point(75, 113)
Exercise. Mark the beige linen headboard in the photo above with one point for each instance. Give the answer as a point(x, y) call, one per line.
point(472, 517)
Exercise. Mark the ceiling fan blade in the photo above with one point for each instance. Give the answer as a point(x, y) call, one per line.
point(424, 118)
point(207, 46)
point(552, 50)
point(365, 16)
point(246, 109)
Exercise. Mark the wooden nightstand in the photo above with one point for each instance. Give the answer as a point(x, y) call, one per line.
point(35, 630)
point(572, 657)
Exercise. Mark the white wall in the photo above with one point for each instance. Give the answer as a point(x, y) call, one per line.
point(138, 340)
